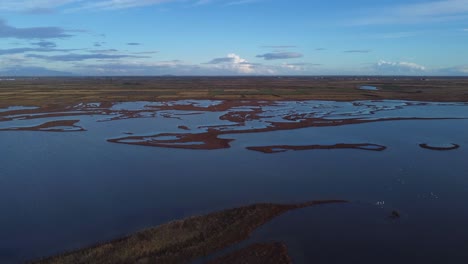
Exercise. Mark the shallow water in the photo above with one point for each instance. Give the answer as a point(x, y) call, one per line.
point(62, 191)
point(12, 108)
point(369, 88)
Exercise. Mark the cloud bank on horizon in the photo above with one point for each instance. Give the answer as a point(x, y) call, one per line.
point(233, 37)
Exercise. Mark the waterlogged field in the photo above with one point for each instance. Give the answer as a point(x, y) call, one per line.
point(392, 175)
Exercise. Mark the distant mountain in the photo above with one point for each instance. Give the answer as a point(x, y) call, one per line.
point(32, 71)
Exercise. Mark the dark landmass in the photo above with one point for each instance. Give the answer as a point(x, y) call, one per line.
point(283, 148)
point(186, 240)
point(68, 90)
point(211, 140)
point(440, 148)
point(52, 126)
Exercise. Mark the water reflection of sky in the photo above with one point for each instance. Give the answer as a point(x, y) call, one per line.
point(60, 191)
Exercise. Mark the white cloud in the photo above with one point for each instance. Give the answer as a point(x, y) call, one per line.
point(399, 68)
point(300, 67)
point(22, 5)
point(457, 70)
point(233, 62)
point(462, 69)
point(76, 5)
point(119, 4)
point(432, 11)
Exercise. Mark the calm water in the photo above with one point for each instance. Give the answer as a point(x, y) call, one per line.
point(62, 191)
point(369, 88)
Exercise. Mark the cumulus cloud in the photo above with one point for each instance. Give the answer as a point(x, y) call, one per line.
point(399, 68)
point(237, 66)
point(7, 31)
point(280, 55)
point(300, 66)
point(233, 62)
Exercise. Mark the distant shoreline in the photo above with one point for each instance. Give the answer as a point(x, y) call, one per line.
point(46, 91)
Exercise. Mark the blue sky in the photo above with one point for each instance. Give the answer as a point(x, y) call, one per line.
point(233, 37)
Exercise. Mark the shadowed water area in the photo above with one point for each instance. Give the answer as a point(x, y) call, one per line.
point(75, 176)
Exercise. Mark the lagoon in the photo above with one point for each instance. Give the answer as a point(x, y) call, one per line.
point(61, 191)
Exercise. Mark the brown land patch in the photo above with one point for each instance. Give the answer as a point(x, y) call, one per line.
point(210, 140)
point(184, 240)
point(67, 91)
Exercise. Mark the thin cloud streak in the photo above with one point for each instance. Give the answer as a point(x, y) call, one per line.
point(26, 50)
point(49, 6)
point(280, 55)
point(82, 57)
point(7, 31)
point(358, 51)
point(279, 46)
point(434, 11)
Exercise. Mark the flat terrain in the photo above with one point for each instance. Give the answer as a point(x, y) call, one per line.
point(64, 91)
point(80, 190)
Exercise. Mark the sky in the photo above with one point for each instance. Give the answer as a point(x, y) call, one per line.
point(233, 37)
